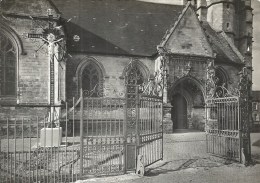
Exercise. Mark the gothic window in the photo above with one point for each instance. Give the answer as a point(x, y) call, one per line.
point(135, 76)
point(7, 67)
point(221, 79)
point(221, 82)
point(91, 80)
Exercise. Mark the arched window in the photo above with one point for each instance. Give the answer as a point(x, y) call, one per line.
point(7, 67)
point(91, 79)
point(221, 82)
point(221, 79)
point(134, 76)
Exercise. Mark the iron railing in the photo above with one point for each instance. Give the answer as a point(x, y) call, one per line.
point(34, 150)
point(150, 129)
point(223, 127)
point(90, 138)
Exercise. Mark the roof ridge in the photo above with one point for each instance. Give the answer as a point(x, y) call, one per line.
point(221, 35)
point(233, 47)
point(169, 33)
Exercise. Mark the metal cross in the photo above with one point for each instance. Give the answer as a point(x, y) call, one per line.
point(49, 37)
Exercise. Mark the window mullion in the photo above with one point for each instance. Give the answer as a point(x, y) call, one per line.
point(4, 73)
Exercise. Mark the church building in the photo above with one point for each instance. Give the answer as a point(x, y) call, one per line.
point(95, 41)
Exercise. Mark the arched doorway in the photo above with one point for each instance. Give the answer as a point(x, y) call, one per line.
point(179, 112)
point(187, 99)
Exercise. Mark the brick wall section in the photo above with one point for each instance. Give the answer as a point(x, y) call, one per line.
point(12, 113)
point(32, 72)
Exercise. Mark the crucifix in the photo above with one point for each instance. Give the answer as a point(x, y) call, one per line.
point(52, 38)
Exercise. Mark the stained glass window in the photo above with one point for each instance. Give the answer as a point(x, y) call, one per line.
point(91, 80)
point(7, 67)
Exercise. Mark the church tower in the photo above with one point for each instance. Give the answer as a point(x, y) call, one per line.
point(221, 15)
point(235, 18)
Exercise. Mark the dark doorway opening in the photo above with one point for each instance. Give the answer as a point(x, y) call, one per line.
point(179, 112)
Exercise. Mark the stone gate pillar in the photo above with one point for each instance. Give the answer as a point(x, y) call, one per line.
point(161, 73)
point(167, 118)
point(246, 113)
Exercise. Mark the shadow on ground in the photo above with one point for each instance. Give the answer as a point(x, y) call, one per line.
point(206, 163)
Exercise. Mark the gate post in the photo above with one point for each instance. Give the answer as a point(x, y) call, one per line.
point(81, 132)
point(167, 125)
point(131, 119)
point(245, 116)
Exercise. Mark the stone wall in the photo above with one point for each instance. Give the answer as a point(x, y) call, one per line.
point(113, 68)
point(32, 69)
point(191, 66)
point(198, 118)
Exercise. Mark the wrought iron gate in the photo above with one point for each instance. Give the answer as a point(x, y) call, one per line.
point(223, 124)
point(227, 119)
point(150, 131)
point(103, 141)
point(144, 132)
point(114, 131)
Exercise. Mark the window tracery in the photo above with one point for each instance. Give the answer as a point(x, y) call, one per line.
point(7, 67)
point(135, 76)
point(91, 80)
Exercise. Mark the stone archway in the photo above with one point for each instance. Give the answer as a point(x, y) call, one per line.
point(187, 100)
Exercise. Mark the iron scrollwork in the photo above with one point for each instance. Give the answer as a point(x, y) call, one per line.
point(95, 92)
point(155, 87)
point(133, 76)
point(213, 89)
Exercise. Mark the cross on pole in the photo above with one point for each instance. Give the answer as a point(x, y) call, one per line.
point(51, 38)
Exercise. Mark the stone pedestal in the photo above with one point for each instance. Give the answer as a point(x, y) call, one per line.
point(50, 137)
point(167, 121)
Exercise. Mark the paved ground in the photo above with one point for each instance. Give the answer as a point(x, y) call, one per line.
point(186, 160)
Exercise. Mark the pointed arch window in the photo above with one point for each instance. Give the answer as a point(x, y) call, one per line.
point(91, 80)
point(135, 76)
point(8, 60)
point(221, 79)
point(221, 82)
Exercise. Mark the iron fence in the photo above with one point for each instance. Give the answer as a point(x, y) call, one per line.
point(150, 129)
point(33, 150)
point(94, 136)
point(223, 127)
point(103, 136)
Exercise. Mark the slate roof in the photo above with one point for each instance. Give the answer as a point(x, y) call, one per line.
point(222, 46)
point(256, 95)
point(124, 27)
